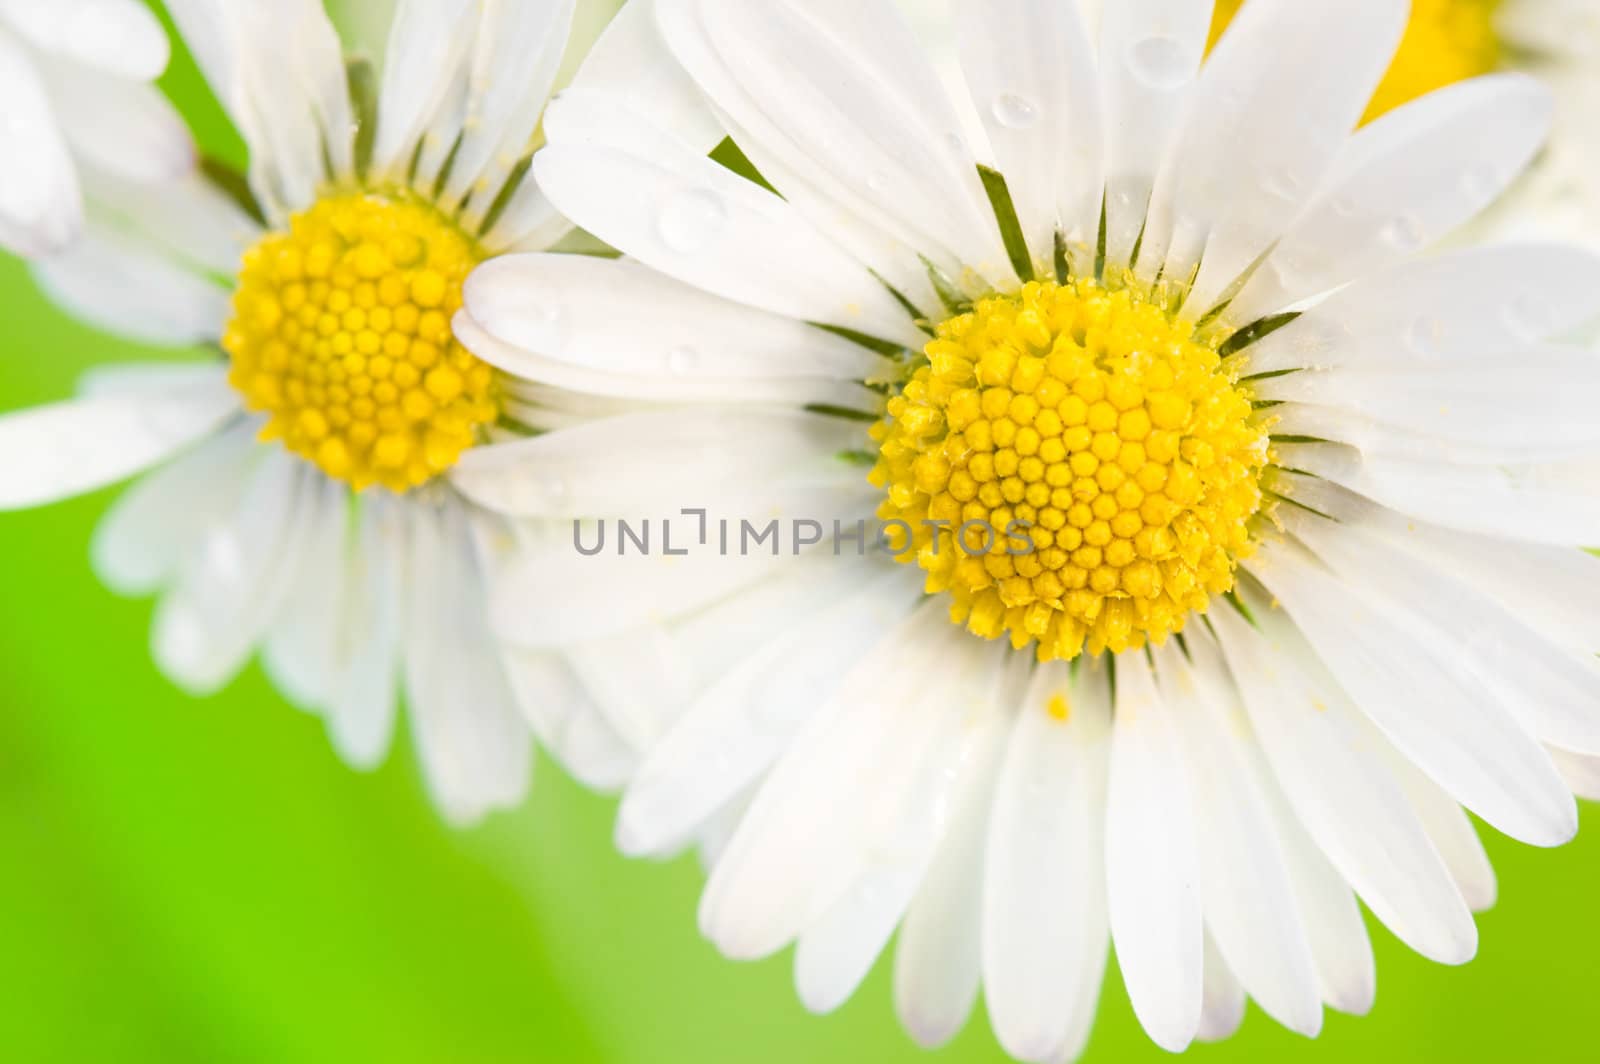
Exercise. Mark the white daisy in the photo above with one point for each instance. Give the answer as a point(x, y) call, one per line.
point(74, 75)
point(303, 503)
point(1296, 507)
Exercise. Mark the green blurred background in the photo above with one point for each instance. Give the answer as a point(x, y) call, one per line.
point(203, 881)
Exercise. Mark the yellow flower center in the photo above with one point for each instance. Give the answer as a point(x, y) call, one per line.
point(341, 335)
point(1446, 41)
point(1077, 468)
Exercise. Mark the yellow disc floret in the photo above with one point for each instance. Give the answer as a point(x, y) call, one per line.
point(341, 335)
point(1446, 41)
point(1074, 466)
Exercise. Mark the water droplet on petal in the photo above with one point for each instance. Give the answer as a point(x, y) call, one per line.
point(682, 360)
point(1424, 337)
point(1404, 233)
point(545, 328)
point(1161, 62)
point(1281, 183)
point(1344, 207)
point(692, 220)
point(1528, 317)
point(1014, 111)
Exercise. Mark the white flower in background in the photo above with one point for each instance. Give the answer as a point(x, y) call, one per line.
point(1300, 506)
point(302, 501)
point(74, 90)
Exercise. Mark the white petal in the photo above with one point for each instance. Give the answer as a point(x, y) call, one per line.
point(280, 74)
point(641, 701)
point(189, 220)
point(835, 953)
point(938, 955)
point(1347, 974)
point(1403, 182)
point(474, 746)
point(849, 222)
point(1245, 891)
point(1152, 878)
point(631, 62)
point(844, 95)
point(120, 37)
point(40, 209)
point(1044, 890)
point(1222, 1002)
point(613, 591)
point(620, 321)
point(1264, 125)
point(1581, 771)
point(132, 289)
point(1031, 70)
point(512, 70)
point(127, 129)
point(162, 519)
point(298, 654)
point(1534, 405)
point(1466, 307)
point(1544, 502)
point(1150, 52)
point(1548, 588)
point(429, 40)
point(1552, 691)
point(363, 695)
point(231, 587)
point(566, 723)
point(681, 374)
point(744, 721)
point(1452, 834)
point(65, 449)
point(658, 462)
point(841, 785)
point(1437, 713)
point(694, 220)
point(1323, 756)
point(529, 222)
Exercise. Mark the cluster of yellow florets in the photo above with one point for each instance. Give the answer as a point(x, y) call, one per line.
point(1093, 464)
point(1446, 41)
point(341, 333)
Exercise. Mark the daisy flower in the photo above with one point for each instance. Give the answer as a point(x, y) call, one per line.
point(1232, 539)
point(75, 76)
point(301, 498)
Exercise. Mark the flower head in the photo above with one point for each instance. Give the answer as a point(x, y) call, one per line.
point(1283, 500)
point(300, 496)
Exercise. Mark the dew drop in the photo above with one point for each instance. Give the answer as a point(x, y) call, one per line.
point(681, 360)
point(1528, 317)
point(1404, 233)
point(544, 328)
point(1424, 337)
point(1161, 62)
point(691, 220)
point(556, 490)
point(1344, 207)
point(1281, 183)
point(1014, 111)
